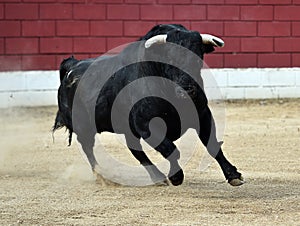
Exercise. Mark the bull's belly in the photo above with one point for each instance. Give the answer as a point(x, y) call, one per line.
point(170, 129)
point(139, 119)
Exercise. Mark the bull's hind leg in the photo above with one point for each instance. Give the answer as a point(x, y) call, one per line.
point(87, 141)
point(155, 174)
point(208, 137)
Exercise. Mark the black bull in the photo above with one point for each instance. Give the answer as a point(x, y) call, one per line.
point(85, 105)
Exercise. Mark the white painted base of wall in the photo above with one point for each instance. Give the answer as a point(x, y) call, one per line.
point(258, 83)
point(39, 88)
point(28, 88)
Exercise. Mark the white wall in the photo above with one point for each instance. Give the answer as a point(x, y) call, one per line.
point(258, 83)
point(28, 88)
point(39, 88)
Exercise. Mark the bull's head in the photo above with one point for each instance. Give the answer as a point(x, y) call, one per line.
point(199, 44)
point(192, 40)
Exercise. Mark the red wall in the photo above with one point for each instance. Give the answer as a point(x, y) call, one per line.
point(39, 34)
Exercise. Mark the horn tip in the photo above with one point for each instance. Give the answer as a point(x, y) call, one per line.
point(156, 39)
point(213, 40)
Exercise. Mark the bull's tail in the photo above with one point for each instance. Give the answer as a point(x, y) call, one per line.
point(66, 66)
point(60, 123)
point(63, 116)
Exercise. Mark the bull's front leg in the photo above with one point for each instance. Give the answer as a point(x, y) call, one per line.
point(155, 174)
point(208, 137)
point(169, 151)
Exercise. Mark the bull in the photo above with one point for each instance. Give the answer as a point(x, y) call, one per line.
point(188, 86)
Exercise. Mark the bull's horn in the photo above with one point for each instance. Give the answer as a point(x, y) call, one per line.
point(210, 39)
point(156, 39)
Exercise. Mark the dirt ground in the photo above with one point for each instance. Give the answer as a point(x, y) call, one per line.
point(47, 183)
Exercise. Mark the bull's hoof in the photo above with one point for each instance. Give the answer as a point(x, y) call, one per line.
point(177, 178)
point(237, 181)
point(104, 182)
point(162, 183)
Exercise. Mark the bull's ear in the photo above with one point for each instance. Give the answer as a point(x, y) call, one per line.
point(208, 48)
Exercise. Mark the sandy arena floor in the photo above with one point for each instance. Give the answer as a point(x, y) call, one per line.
point(46, 183)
